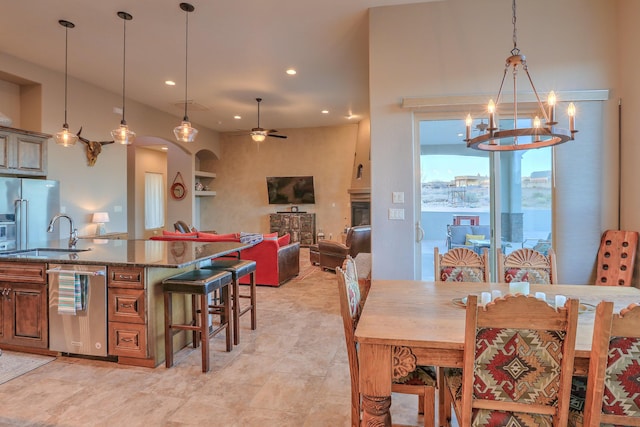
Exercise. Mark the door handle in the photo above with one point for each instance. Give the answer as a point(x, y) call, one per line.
point(419, 232)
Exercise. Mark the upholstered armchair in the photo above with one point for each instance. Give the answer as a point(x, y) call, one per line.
point(333, 254)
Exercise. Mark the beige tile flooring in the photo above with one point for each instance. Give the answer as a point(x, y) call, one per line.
point(291, 371)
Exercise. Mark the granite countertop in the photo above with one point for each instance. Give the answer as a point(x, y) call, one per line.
point(139, 253)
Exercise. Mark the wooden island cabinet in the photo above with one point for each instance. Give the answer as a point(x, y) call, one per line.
point(23, 305)
point(135, 302)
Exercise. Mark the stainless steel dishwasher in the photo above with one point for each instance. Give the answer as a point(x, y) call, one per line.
point(81, 330)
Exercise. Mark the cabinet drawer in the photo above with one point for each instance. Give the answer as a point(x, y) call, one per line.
point(23, 272)
point(127, 339)
point(126, 277)
point(127, 305)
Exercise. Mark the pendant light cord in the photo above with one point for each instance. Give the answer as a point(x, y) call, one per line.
point(515, 50)
point(186, 60)
point(66, 56)
point(124, 64)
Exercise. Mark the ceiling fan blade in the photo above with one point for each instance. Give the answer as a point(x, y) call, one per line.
point(277, 136)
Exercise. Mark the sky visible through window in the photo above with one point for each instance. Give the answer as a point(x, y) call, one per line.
point(446, 167)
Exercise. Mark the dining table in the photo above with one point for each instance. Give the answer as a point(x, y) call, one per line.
point(407, 322)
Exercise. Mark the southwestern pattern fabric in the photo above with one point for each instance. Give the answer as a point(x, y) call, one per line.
point(622, 378)
point(462, 274)
point(353, 295)
point(488, 418)
point(518, 365)
point(533, 276)
point(576, 404)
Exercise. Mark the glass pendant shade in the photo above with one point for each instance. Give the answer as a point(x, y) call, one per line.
point(65, 138)
point(184, 132)
point(123, 135)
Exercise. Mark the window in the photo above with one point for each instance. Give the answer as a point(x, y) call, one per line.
point(153, 200)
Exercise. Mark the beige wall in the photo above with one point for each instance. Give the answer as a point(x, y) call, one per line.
point(458, 47)
point(241, 203)
point(146, 160)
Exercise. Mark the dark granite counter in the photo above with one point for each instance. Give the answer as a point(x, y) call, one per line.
point(135, 253)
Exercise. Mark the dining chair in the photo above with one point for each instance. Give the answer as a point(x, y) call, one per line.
point(420, 381)
point(612, 393)
point(461, 265)
point(528, 265)
point(516, 367)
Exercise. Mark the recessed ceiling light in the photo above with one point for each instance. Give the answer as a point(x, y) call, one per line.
point(291, 72)
point(237, 117)
point(163, 148)
point(325, 111)
point(170, 83)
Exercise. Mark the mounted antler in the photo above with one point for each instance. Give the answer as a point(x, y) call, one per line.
point(93, 148)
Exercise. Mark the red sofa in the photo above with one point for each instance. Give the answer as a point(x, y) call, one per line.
point(277, 260)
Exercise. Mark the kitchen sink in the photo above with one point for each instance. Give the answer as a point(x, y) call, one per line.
point(42, 252)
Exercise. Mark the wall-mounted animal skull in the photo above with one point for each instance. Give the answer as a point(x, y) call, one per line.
point(93, 148)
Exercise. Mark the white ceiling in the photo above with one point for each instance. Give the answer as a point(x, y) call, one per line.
point(238, 50)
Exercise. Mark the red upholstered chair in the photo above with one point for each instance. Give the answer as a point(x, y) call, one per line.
point(516, 368)
point(612, 393)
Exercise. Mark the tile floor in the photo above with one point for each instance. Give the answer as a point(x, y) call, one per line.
point(291, 371)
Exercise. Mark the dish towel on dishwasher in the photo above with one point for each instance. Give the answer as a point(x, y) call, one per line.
point(69, 293)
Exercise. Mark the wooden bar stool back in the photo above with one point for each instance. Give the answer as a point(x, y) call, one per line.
point(238, 269)
point(198, 283)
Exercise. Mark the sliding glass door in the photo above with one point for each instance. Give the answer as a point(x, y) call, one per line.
point(476, 199)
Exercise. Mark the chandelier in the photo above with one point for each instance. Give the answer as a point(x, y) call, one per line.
point(540, 134)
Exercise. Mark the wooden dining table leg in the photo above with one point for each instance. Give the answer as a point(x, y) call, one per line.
point(375, 384)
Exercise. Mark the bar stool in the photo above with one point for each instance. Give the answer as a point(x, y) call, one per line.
point(239, 268)
point(198, 282)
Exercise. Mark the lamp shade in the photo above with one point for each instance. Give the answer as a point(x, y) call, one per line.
point(100, 217)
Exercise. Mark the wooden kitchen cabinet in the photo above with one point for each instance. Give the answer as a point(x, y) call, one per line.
point(23, 152)
point(23, 307)
point(127, 313)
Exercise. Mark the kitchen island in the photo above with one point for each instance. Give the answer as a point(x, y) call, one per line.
point(135, 270)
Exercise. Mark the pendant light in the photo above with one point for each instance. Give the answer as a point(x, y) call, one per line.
point(64, 137)
point(184, 132)
point(123, 135)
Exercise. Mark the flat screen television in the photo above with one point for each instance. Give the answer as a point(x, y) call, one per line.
point(290, 190)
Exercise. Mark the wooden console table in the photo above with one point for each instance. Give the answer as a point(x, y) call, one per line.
point(301, 226)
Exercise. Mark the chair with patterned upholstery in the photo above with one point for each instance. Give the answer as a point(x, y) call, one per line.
point(528, 265)
point(461, 265)
point(612, 392)
point(420, 381)
point(516, 368)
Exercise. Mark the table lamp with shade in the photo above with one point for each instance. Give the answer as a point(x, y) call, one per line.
point(99, 218)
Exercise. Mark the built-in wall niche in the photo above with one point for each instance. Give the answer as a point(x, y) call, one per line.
point(204, 174)
point(21, 101)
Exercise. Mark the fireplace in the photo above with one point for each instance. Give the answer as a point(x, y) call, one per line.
point(360, 213)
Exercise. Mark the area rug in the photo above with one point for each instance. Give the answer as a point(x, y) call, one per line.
point(13, 364)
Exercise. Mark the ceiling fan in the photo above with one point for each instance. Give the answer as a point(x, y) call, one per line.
point(259, 134)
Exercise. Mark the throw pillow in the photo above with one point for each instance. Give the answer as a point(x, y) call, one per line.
point(231, 237)
point(177, 233)
point(271, 236)
point(284, 240)
point(473, 237)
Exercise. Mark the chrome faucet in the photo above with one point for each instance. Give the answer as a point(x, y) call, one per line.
point(73, 232)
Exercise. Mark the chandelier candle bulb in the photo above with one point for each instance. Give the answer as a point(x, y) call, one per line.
point(571, 112)
point(536, 125)
point(551, 101)
point(492, 111)
point(468, 123)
